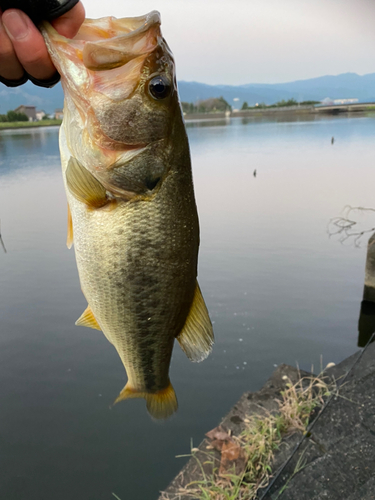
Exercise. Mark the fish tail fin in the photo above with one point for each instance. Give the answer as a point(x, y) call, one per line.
point(160, 405)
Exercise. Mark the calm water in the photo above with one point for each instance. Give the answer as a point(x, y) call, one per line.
point(279, 290)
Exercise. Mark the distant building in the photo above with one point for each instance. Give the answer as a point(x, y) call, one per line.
point(327, 101)
point(345, 101)
point(331, 102)
point(40, 115)
point(29, 111)
point(59, 114)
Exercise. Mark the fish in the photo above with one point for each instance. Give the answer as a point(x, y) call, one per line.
point(132, 215)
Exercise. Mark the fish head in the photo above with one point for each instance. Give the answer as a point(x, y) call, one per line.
point(121, 102)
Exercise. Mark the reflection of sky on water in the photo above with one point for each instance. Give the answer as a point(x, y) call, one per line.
point(278, 290)
point(25, 148)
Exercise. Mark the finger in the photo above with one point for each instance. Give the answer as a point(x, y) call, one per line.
point(9, 64)
point(28, 44)
point(69, 23)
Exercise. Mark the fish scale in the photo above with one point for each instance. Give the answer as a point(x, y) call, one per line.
point(133, 217)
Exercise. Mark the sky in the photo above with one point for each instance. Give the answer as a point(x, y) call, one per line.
point(259, 41)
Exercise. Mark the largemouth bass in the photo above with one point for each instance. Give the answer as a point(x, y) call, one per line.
point(132, 213)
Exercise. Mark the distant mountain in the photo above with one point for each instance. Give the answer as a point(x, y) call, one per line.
point(344, 86)
point(44, 99)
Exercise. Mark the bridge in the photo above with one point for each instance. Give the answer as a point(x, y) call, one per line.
point(344, 108)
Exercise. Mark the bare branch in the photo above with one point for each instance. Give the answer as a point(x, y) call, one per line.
point(1, 240)
point(344, 226)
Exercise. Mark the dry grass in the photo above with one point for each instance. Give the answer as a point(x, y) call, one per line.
point(258, 442)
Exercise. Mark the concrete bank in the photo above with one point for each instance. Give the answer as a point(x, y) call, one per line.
point(335, 460)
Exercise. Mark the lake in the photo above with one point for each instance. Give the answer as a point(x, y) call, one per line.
point(278, 288)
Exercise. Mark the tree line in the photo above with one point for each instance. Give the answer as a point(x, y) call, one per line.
point(220, 105)
point(212, 105)
point(13, 116)
point(280, 104)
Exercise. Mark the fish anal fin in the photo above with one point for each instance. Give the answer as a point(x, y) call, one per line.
point(84, 186)
point(160, 405)
point(69, 239)
point(87, 319)
point(197, 337)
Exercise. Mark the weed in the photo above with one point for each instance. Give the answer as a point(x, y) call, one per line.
point(258, 442)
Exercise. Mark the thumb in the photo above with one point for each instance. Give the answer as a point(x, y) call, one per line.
point(70, 22)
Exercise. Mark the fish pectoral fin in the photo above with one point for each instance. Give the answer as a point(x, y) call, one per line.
point(87, 318)
point(84, 186)
point(160, 405)
point(196, 338)
point(69, 239)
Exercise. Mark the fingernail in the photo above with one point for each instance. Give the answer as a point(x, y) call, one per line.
point(15, 23)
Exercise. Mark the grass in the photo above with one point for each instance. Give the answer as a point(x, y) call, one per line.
point(259, 441)
point(41, 123)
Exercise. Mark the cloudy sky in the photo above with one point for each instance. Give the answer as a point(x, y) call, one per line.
point(259, 41)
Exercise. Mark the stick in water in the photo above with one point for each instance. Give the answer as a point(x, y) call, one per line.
point(1, 240)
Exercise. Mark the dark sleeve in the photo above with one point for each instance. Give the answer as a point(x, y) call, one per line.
point(39, 10)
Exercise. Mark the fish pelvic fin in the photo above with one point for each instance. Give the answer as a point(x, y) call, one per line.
point(69, 239)
point(84, 186)
point(197, 337)
point(160, 405)
point(87, 318)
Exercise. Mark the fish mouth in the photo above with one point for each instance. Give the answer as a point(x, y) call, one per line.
point(109, 43)
point(106, 56)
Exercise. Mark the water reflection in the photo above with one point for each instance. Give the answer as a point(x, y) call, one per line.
point(27, 148)
point(207, 123)
point(366, 322)
point(278, 290)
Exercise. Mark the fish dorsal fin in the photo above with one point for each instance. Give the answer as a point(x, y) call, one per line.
point(197, 337)
point(84, 186)
point(160, 405)
point(69, 239)
point(87, 318)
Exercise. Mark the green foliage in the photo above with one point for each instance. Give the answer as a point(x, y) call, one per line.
point(3, 118)
point(245, 106)
point(13, 116)
point(260, 439)
point(187, 107)
point(289, 102)
point(309, 103)
point(212, 105)
point(41, 123)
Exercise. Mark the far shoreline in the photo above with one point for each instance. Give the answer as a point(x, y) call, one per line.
point(191, 117)
point(22, 125)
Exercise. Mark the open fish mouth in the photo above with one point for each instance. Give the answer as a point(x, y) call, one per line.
point(119, 84)
point(107, 55)
point(117, 41)
point(108, 43)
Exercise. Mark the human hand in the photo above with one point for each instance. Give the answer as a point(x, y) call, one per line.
point(22, 47)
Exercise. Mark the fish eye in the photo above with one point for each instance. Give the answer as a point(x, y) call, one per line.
point(159, 87)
